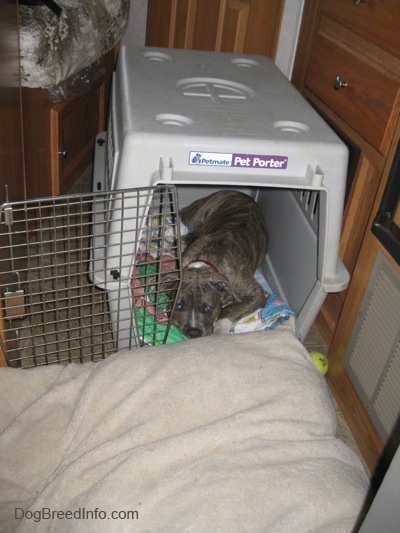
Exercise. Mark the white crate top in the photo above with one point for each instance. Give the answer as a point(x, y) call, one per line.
point(232, 115)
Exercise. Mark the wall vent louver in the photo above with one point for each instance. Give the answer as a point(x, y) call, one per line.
point(372, 360)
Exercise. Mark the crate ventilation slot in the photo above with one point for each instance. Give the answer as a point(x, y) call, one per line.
point(308, 201)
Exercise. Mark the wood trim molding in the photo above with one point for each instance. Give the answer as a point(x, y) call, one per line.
point(364, 431)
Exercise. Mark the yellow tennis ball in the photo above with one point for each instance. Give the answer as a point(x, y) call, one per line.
point(321, 361)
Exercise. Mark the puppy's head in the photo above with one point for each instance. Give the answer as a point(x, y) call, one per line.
point(201, 297)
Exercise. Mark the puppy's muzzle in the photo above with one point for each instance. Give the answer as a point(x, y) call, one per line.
point(193, 333)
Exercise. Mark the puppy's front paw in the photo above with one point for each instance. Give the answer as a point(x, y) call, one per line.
point(223, 326)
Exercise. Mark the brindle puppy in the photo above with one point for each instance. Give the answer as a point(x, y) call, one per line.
point(227, 243)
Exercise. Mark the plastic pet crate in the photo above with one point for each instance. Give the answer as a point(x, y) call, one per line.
point(204, 121)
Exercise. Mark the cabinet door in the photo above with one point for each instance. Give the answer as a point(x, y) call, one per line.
point(239, 26)
point(11, 149)
point(77, 124)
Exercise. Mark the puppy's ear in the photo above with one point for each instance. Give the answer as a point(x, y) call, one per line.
point(169, 284)
point(169, 281)
point(228, 295)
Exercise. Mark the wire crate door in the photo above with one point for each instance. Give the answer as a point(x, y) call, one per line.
point(81, 275)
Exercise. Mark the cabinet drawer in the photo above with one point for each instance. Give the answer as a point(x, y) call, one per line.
point(375, 20)
point(367, 100)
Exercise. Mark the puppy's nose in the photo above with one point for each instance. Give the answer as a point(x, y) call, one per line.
point(194, 332)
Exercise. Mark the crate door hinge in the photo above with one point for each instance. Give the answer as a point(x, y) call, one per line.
point(8, 218)
point(6, 209)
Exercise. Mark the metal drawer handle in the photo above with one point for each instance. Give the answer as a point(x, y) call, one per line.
point(64, 153)
point(339, 83)
point(358, 2)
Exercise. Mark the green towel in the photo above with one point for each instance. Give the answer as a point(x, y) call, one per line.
point(150, 331)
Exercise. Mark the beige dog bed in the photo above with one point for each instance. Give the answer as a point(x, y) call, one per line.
point(225, 433)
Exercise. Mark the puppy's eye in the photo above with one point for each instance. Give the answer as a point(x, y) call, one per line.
point(178, 307)
point(208, 309)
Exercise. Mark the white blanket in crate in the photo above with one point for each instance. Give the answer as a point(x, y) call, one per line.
point(226, 433)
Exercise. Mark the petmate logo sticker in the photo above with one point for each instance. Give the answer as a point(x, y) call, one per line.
point(275, 162)
point(210, 159)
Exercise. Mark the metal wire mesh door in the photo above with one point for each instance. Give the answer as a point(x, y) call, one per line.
point(81, 275)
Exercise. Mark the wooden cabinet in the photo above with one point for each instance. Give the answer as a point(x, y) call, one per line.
point(358, 91)
point(348, 66)
point(375, 21)
point(351, 74)
point(74, 126)
point(59, 137)
point(240, 26)
point(11, 149)
point(369, 440)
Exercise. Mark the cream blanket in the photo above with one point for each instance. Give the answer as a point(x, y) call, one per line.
point(218, 434)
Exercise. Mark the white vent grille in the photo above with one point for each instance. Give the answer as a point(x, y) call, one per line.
point(388, 396)
point(372, 359)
